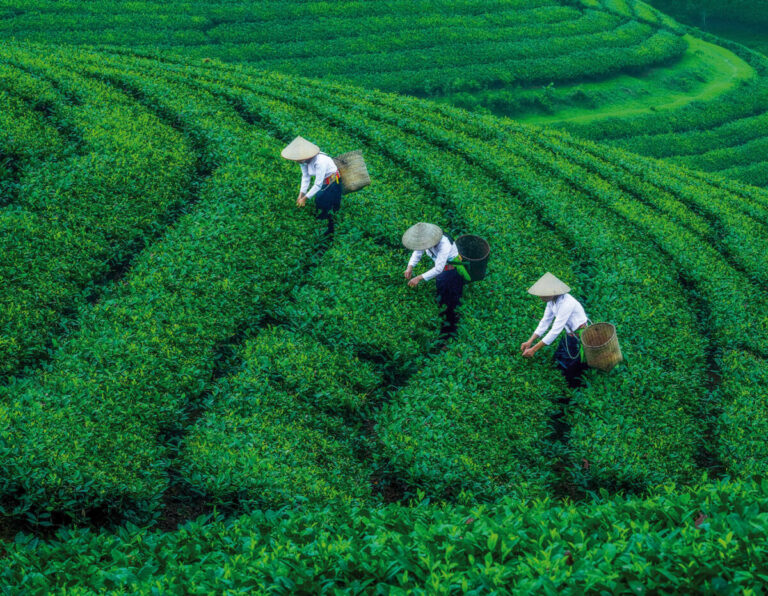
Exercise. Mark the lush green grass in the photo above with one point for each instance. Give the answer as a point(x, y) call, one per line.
point(705, 73)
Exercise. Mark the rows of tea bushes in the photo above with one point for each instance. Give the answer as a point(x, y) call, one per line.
point(597, 62)
point(734, 228)
point(692, 351)
point(392, 336)
point(738, 233)
point(452, 441)
point(516, 51)
point(732, 157)
point(723, 223)
point(638, 241)
point(513, 31)
point(427, 44)
point(84, 432)
point(685, 345)
point(705, 539)
point(242, 31)
point(80, 211)
point(687, 144)
point(27, 139)
point(354, 329)
point(387, 337)
point(275, 433)
point(617, 266)
point(669, 451)
point(723, 134)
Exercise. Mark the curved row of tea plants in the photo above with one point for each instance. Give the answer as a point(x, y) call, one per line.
point(687, 356)
point(80, 209)
point(347, 315)
point(723, 134)
point(156, 401)
point(425, 43)
point(470, 455)
point(568, 60)
point(336, 393)
point(83, 432)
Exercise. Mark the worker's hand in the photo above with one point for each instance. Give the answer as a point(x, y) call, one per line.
point(302, 200)
point(525, 345)
point(408, 273)
point(529, 352)
point(415, 281)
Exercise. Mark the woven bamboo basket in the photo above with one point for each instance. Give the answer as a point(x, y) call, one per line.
point(601, 346)
point(353, 171)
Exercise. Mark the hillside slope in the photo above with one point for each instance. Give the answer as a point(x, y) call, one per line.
point(610, 70)
point(194, 306)
point(195, 343)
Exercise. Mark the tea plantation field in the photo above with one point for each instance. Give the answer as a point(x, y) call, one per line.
point(616, 71)
point(181, 344)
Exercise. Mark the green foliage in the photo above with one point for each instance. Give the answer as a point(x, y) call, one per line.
point(415, 47)
point(274, 433)
point(75, 214)
point(701, 12)
point(709, 539)
point(260, 365)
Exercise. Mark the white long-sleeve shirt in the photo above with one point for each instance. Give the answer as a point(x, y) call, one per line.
point(566, 312)
point(320, 166)
point(444, 251)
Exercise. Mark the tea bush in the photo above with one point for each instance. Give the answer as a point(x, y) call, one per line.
point(520, 54)
point(705, 539)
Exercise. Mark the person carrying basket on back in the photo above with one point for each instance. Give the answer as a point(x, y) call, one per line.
point(448, 272)
point(563, 312)
point(326, 189)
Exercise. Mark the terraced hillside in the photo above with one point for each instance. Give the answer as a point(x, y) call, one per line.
point(184, 339)
point(720, 129)
point(615, 71)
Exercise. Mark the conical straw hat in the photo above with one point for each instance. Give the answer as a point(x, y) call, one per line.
point(422, 236)
point(299, 149)
point(548, 285)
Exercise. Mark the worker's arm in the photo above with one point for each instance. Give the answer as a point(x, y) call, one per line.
point(414, 260)
point(528, 348)
point(302, 198)
point(322, 170)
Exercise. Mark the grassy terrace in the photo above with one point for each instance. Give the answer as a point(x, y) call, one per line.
point(705, 72)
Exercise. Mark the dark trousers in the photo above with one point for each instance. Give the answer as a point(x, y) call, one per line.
point(450, 286)
point(568, 359)
point(328, 200)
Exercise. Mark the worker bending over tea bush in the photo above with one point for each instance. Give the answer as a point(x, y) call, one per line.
point(326, 188)
point(448, 272)
point(563, 312)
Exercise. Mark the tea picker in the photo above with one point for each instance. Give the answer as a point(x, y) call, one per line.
point(327, 186)
point(563, 312)
point(449, 272)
